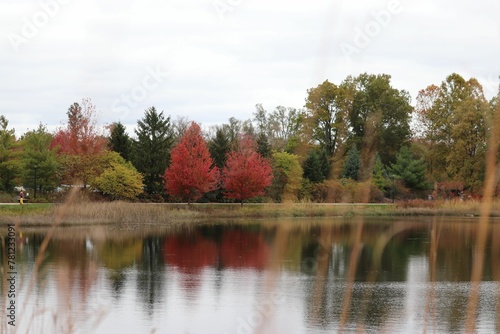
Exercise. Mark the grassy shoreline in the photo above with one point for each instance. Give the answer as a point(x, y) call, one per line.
point(88, 213)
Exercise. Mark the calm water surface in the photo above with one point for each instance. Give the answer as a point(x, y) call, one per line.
point(289, 276)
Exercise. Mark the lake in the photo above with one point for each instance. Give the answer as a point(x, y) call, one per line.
point(390, 275)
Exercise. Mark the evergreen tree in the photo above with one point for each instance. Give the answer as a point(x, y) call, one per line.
point(316, 166)
point(263, 146)
point(352, 164)
point(219, 147)
point(38, 158)
point(119, 141)
point(379, 177)
point(151, 149)
point(409, 169)
point(9, 168)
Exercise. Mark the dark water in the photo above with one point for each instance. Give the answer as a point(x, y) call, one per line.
point(293, 276)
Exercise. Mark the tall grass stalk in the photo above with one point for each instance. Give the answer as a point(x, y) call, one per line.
point(482, 235)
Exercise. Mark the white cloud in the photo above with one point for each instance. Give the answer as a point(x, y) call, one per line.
point(260, 52)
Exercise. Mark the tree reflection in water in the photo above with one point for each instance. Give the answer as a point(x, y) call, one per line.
point(296, 276)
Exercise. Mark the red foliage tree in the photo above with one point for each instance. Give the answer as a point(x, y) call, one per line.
point(81, 136)
point(247, 173)
point(190, 174)
point(80, 144)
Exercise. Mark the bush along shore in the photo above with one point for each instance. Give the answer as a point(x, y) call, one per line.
point(160, 213)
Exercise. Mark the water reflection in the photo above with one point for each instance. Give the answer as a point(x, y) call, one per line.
point(297, 276)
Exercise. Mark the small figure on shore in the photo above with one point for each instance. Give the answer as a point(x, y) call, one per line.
point(21, 197)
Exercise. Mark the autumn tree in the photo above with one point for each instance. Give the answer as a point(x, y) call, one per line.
point(282, 126)
point(151, 148)
point(246, 174)
point(287, 176)
point(327, 119)
point(455, 125)
point(80, 143)
point(191, 173)
point(119, 179)
point(81, 136)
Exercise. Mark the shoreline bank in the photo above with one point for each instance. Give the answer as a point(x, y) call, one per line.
point(89, 213)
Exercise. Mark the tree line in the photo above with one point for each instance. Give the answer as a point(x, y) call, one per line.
point(357, 140)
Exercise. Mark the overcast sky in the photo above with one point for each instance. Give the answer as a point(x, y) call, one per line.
point(211, 60)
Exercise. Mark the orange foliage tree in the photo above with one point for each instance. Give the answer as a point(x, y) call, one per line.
point(247, 173)
point(191, 173)
point(80, 144)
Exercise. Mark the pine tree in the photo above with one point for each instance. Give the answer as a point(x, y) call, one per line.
point(39, 159)
point(151, 149)
point(263, 146)
point(219, 147)
point(409, 169)
point(9, 168)
point(379, 178)
point(119, 141)
point(352, 164)
point(316, 166)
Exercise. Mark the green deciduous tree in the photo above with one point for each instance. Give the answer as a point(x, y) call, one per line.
point(38, 158)
point(379, 118)
point(151, 148)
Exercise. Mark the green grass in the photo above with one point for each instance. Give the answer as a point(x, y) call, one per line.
point(26, 209)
